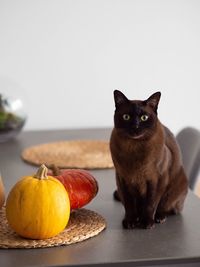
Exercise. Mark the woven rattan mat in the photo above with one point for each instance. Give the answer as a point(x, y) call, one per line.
point(82, 225)
point(87, 154)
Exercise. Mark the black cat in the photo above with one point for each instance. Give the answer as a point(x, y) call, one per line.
point(151, 182)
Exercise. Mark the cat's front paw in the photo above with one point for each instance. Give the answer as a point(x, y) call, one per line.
point(128, 224)
point(147, 223)
point(160, 218)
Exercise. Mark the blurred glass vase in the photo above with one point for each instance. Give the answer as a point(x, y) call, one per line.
point(12, 117)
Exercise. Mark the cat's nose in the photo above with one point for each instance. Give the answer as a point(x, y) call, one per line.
point(136, 124)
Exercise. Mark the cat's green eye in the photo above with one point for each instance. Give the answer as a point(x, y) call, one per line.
point(144, 117)
point(126, 117)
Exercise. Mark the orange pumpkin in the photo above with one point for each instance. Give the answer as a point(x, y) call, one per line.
point(80, 184)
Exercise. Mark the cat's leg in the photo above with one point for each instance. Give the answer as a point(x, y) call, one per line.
point(130, 220)
point(147, 206)
point(129, 200)
point(173, 200)
point(182, 192)
point(151, 201)
point(163, 209)
point(161, 213)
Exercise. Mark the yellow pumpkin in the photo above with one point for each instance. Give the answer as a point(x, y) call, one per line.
point(38, 206)
point(2, 193)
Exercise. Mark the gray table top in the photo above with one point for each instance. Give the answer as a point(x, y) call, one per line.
point(175, 242)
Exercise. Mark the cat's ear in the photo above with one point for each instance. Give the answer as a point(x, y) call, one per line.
point(153, 101)
point(120, 98)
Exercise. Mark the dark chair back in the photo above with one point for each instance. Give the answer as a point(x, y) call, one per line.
point(189, 142)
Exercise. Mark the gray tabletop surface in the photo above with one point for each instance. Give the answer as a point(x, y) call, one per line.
point(174, 243)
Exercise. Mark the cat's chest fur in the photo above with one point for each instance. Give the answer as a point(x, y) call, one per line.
point(137, 162)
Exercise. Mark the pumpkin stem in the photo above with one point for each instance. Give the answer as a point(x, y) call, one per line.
point(41, 172)
point(55, 169)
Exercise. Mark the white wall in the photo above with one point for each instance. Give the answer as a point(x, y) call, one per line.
point(65, 58)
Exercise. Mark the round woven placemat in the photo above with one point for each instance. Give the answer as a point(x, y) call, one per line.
point(87, 154)
point(83, 224)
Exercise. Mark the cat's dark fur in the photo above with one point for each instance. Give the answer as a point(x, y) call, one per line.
point(151, 182)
